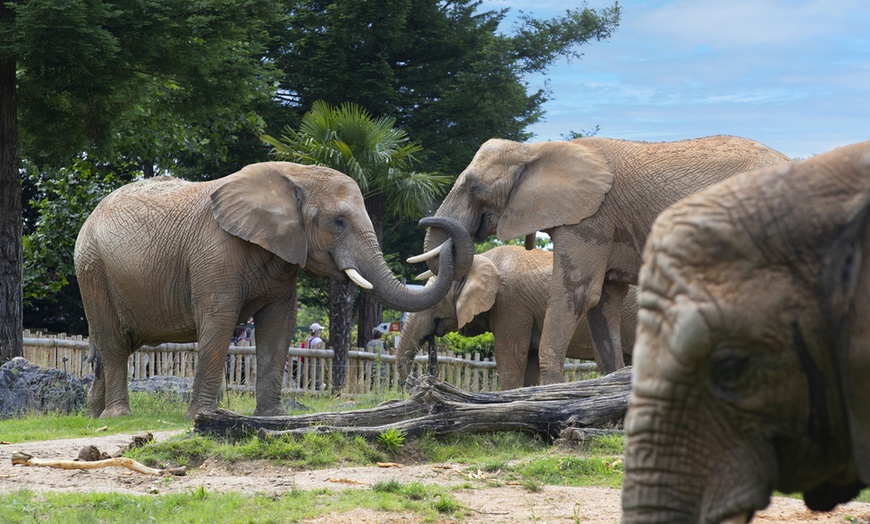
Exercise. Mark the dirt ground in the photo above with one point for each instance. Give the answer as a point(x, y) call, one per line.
point(487, 503)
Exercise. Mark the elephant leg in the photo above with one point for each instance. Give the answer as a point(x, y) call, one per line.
point(114, 359)
point(604, 324)
point(512, 337)
point(575, 289)
point(97, 393)
point(214, 333)
point(274, 324)
point(533, 369)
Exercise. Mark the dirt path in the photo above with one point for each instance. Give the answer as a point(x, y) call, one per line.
point(488, 504)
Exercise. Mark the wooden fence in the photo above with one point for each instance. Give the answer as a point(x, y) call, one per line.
point(307, 370)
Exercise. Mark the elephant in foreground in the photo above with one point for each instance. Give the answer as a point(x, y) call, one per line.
point(505, 293)
point(597, 199)
point(165, 260)
point(752, 362)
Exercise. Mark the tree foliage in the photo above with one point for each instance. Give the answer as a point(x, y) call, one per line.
point(149, 86)
point(88, 75)
point(379, 157)
point(445, 71)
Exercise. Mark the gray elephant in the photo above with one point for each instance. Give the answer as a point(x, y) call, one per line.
point(505, 293)
point(164, 260)
point(753, 352)
point(597, 199)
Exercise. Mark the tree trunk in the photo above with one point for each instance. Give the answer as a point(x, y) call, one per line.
point(341, 294)
point(10, 212)
point(432, 365)
point(442, 409)
point(370, 310)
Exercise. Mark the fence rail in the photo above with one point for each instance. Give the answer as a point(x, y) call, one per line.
point(307, 370)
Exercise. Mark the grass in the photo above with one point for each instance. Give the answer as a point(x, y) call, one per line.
point(200, 505)
point(502, 457)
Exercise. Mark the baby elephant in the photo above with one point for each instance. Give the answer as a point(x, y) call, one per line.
point(506, 293)
point(753, 347)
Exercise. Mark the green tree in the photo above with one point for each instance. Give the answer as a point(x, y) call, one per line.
point(79, 75)
point(446, 71)
point(379, 157)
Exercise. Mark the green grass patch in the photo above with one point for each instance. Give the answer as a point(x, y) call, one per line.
point(200, 505)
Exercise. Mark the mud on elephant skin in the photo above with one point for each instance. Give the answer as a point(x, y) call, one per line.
point(597, 199)
point(165, 260)
point(505, 293)
point(753, 351)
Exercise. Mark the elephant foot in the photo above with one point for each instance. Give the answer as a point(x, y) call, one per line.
point(115, 411)
point(552, 378)
point(270, 411)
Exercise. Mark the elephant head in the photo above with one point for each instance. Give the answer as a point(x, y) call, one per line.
point(514, 189)
point(462, 308)
point(315, 217)
point(753, 347)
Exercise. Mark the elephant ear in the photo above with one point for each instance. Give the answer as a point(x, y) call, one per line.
point(477, 291)
point(562, 183)
point(262, 205)
point(847, 285)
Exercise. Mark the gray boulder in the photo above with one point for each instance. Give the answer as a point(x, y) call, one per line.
point(25, 387)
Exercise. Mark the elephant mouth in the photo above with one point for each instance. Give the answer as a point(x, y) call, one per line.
point(484, 227)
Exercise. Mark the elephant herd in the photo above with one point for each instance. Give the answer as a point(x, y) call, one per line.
point(731, 278)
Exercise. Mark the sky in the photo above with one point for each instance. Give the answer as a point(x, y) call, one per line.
point(791, 74)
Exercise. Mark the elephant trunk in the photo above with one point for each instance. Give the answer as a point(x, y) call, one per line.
point(683, 470)
point(456, 257)
point(436, 237)
point(416, 329)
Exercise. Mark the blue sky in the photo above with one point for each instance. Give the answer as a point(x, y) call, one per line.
point(794, 75)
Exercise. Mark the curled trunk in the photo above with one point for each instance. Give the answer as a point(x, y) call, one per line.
point(455, 259)
point(418, 328)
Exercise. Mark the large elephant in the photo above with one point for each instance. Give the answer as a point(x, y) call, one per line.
point(164, 260)
point(753, 352)
point(505, 293)
point(597, 199)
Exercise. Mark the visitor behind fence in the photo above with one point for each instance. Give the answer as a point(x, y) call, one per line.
point(315, 342)
point(376, 346)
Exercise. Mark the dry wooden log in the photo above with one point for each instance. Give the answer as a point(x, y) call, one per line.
point(440, 408)
point(24, 459)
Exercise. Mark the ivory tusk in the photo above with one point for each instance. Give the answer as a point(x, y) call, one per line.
point(425, 275)
point(426, 256)
point(742, 518)
point(354, 275)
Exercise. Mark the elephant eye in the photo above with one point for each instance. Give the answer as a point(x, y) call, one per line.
point(339, 224)
point(729, 368)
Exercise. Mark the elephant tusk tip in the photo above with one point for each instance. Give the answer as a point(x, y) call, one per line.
point(358, 279)
point(425, 275)
point(432, 253)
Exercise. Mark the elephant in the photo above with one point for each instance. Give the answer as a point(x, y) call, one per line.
point(505, 292)
point(752, 357)
point(166, 260)
point(597, 199)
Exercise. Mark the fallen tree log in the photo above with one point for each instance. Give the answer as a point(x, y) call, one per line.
point(437, 407)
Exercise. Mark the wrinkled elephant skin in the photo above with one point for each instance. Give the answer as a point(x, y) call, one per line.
point(505, 293)
point(752, 356)
point(597, 199)
point(165, 260)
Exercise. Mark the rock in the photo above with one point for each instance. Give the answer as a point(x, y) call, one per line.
point(25, 387)
point(175, 387)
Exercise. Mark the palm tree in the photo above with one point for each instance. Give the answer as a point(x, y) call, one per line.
point(379, 158)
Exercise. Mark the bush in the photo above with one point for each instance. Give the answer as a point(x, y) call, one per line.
point(482, 344)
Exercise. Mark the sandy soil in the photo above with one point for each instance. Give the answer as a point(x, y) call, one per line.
point(489, 500)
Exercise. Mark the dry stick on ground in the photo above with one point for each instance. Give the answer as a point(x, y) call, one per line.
point(439, 408)
point(23, 459)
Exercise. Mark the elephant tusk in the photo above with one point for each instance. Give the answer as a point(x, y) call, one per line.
point(358, 279)
point(425, 275)
point(742, 518)
point(426, 256)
